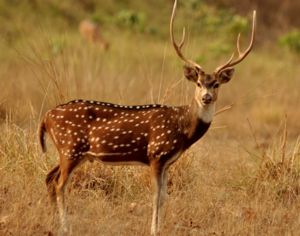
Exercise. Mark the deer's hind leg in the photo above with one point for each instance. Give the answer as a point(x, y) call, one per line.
point(51, 178)
point(67, 168)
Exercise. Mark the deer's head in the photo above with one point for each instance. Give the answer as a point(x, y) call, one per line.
point(208, 85)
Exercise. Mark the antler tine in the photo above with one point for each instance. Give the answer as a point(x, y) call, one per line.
point(238, 44)
point(178, 49)
point(183, 39)
point(241, 55)
point(225, 65)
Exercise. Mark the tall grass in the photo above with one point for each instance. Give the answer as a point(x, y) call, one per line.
point(276, 171)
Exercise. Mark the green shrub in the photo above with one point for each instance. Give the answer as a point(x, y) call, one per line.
point(238, 25)
point(213, 19)
point(291, 40)
point(219, 48)
point(132, 20)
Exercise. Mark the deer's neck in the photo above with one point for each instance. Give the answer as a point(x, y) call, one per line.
point(195, 121)
point(197, 111)
point(206, 114)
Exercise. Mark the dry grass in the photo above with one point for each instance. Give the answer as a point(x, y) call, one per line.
point(213, 190)
point(227, 184)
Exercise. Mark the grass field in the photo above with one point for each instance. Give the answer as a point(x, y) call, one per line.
point(241, 178)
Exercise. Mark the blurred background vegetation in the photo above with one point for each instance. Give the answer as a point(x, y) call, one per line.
point(275, 18)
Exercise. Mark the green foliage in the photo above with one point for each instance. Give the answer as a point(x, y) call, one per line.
point(238, 25)
point(98, 19)
point(291, 40)
point(219, 48)
point(221, 24)
point(213, 20)
point(132, 20)
point(18, 16)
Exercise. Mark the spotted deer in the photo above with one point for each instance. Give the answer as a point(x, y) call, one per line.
point(91, 32)
point(151, 135)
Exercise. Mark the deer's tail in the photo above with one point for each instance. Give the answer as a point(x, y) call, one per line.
point(41, 133)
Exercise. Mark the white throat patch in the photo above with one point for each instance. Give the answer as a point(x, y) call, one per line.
point(206, 114)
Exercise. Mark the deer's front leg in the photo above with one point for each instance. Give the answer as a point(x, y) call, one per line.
point(158, 180)
point(163, 193)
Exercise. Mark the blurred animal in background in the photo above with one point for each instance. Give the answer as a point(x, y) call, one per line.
point(91, 32)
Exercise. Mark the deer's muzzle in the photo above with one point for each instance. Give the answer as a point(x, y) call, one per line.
point(207, 99)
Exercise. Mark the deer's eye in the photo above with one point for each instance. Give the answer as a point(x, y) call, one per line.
point(216, 86)
point(199, 85)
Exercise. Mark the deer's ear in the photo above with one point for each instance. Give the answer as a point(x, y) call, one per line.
point(226, 75)
point(190, 73)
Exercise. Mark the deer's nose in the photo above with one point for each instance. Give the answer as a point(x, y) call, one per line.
point(207, 99)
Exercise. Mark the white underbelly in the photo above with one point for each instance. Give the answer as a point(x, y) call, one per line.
point(122, 163)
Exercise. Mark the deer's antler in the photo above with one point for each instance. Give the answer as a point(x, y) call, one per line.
point(241, 55)
point(178, 49)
